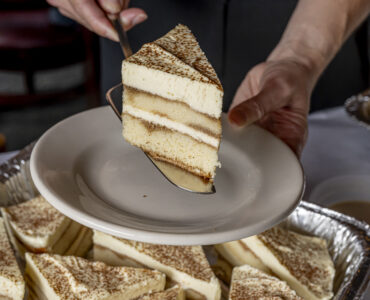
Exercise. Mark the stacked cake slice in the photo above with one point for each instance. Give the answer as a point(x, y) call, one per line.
point(184, 265)
point(12, 285)
point(36, 226)
point(172, 103)
point(54, 277)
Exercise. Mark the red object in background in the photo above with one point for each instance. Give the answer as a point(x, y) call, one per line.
point(29, 42)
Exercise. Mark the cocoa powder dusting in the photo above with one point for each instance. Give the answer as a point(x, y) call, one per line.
point(188, 259)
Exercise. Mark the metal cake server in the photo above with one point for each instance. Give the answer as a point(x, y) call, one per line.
point(177, 176)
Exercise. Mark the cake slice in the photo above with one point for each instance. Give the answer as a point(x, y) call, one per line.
point(172, 103)
point(12, 285)
point(36, 226)
point(52, 276)
point(302, 261)
point(184, 265)
point(249, 283)
point(174, 293)
point(237, 253)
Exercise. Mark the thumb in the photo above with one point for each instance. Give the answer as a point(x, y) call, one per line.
point(111, 6)
point(255, 108)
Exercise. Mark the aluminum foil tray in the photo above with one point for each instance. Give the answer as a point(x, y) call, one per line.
point(358, 108)
point(348, 239)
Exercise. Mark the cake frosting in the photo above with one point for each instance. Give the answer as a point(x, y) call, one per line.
point(12, 285)
point(185, 265)
point(250, 283)
point(69, 277)
point(174, 293)
point(302, 261)
point(38, 227)
point(237, 253)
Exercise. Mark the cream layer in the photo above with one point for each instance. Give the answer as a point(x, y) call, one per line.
point(173, 125)
point(211, 290)
point(67, 277)
point(250, 283)
point(238, 254)
point(12, 285)
point(174, 110)
point(36, 223)
point(307, 260)
point(156, 71)
point(171, 146)
point(81, 244)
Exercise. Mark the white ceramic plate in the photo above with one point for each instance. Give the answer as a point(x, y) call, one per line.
point(84, 168)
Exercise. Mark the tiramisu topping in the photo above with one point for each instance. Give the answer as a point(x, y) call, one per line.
point(8, 264)
point(149, 55)
point(170, 294)
point(77, 278)
point(252, 284)
point(187, 259)
point(35, 217)
point(183, 44)
point(305, 257)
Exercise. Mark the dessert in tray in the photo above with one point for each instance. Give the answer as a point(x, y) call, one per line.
point(250, 283)
point(184, 265)
point(303, 262)
point(172, 103)
point(12, 285)
point(54, 277)
point(290, 266)
point(36, 226)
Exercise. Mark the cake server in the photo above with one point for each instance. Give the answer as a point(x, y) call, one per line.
point(177, 176)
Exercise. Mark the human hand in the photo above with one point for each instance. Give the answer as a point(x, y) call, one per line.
point(276, 95)
point(94, 15)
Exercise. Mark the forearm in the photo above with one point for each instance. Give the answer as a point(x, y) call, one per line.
point(317, 30)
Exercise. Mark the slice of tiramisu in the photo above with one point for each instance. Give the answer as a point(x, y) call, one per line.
point(302, 261)
point(237, 253)
point(12, 285)
point(184, 265)
point(248, 283)
point(174, 293)
point(68, 277)
point(36, 226)
point(172, 103)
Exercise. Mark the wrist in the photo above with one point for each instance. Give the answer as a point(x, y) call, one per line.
point(308, 58)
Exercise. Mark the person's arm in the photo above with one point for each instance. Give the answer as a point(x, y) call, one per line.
point(276, 93)
point(317, 30)
point(93, 14)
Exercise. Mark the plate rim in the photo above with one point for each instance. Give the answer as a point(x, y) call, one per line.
point(150, 236)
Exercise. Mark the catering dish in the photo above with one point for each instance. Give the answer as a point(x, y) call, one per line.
point(347, 238)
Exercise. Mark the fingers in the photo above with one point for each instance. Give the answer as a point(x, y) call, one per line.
point(132, 17)
point(94, 15)
point(111, 6)
point(91, 13)
point(256, 107)
point(288, 125)
point(249, 86)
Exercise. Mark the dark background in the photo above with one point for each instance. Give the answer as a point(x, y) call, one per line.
point(234, 34)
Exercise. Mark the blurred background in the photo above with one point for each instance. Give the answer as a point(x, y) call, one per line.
point(51, 68)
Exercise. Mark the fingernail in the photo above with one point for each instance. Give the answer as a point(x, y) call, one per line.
point(138, 19)
point(236, 117)
point(126, 22)
point(113, 6)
